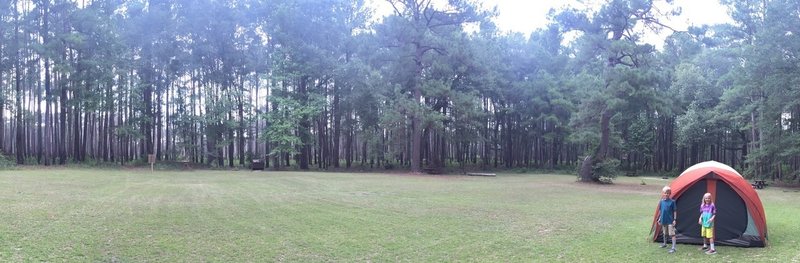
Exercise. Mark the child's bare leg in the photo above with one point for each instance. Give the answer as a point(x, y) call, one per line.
point(674, 238)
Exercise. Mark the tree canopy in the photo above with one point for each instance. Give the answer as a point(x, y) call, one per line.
point(434, 85)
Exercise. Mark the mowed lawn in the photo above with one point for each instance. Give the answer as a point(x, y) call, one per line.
point(79, 215)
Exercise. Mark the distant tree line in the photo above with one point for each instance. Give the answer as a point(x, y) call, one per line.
point(308, 83)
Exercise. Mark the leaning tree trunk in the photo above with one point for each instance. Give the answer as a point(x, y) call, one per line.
point(599, 155)
point(585, 172)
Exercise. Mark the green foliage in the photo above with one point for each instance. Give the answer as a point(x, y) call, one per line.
point(466, 117)
point(606, 170)
point(7, 162)
point(584, 121)
point(690, 127)
point(641, 135)
point(121, 72)
point(283, 124)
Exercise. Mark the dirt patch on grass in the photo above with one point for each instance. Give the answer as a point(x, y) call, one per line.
point(631, 188)
point(424, 175)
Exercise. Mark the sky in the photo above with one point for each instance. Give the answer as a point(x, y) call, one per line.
point(525, 16)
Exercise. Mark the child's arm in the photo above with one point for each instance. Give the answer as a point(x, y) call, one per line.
point(674, 213)
point(674, 217)
point(700, 219)
point(713, 213)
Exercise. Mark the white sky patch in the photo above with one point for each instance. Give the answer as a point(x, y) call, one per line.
point(525, 16)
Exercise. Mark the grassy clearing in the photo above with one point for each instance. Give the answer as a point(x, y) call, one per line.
point(224, 216)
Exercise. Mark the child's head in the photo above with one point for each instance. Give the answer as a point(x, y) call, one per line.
point(666, 191)
point(707, 198)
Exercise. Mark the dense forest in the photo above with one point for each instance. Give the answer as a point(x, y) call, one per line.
point(310, 84)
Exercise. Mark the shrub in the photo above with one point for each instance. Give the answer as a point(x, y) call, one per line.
point(7, 162)
point(606, 170)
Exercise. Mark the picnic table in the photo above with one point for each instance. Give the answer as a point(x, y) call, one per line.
point(185, 164)
point(759, 184)
point(257, 164)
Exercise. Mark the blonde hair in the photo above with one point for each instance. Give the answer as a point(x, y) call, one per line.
point(666, 190)
point(703, 201)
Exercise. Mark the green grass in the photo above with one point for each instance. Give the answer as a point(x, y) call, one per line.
point(224, 216)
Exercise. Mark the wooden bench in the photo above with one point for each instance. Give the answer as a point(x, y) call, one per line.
point(432, 170)
point(759, 184)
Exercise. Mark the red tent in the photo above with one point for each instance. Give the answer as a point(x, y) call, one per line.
point(740, 217)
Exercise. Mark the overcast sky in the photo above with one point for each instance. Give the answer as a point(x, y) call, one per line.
point(524, 16)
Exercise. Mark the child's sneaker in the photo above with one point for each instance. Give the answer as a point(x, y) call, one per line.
point(711, 252)
point(671, 250)
point(704, 248)
point(663, 245)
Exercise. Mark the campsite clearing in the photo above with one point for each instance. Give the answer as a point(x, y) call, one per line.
point(138, 215)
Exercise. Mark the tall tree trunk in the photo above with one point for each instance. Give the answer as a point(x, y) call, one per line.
point(159, 124)
point(47, 96)
point(76, 133)
point(753, 143)
point(62, 125)
point(231, 140)
point(416, 116)
point(496, 137)
point(20, 139)
point(601, 151)
point(443, 141)
point(3, 149)
point(337, 118)
point(86, 136)
point(267, 149)
point(349, 143)
point(147, 123)
point(102, 134)
point(39, 124)
point(257, 119)
point(110, 130)
point(322, 142)
point(486, 151)
point(169, 133)
point(508, 133)
point(304, 125)
point(196, 143)
point(416, 135)
point(240, 129)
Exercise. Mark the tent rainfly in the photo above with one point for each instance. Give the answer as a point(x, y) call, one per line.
point(740, 217)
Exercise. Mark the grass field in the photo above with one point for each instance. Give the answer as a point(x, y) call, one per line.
point(242, 216)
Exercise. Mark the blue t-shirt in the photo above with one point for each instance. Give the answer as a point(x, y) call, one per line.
point(666, 209)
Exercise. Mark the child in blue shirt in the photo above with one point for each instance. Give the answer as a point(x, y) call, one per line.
point(667, 217)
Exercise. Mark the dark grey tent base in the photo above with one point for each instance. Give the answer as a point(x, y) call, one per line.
point(743, 241)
